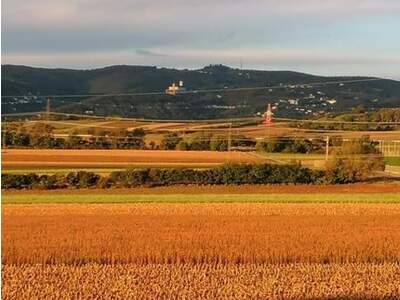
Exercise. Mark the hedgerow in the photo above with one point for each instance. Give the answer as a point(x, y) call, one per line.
point(229, 174)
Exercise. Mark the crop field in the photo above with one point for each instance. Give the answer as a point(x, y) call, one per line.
point(77, 234)
point(61, 170)
point(338, 190)
point(203, 281)
point(392, 161)
point(62, 128)
point(42, 159)
point(201, 246)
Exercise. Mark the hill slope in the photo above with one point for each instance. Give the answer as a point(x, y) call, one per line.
point(32, 82)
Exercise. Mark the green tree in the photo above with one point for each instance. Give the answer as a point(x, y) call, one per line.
point(183, 146)
point(218, 143)
point(41, 135)
point(355, 160)
point(170, 141)
point(199, 141)
point(134, 139)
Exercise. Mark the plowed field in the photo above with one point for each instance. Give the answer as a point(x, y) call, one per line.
point(38, 158)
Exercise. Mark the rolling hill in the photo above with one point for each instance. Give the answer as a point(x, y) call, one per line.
point(31, 84)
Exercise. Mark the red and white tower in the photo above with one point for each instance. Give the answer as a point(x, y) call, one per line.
point(268, 115)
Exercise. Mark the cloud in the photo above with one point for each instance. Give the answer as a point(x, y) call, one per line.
point(83, 31)
point(149, 53)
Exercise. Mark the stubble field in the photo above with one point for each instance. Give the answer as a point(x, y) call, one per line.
point(202, 250)
point(39, 158)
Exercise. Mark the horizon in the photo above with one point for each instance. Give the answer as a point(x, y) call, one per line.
point(198, 68)
point(344, 38)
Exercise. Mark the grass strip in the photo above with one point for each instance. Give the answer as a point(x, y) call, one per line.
point(43, 198)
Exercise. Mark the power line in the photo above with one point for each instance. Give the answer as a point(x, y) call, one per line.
point(132, 119)
point(226, 120)
point(199, 91)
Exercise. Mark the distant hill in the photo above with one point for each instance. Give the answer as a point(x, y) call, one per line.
point(31, 83)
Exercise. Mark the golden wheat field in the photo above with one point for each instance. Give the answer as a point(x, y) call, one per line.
point(200, 233)
point(201, 251)
point(202, 281)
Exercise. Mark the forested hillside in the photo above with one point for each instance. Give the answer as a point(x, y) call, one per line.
point(31, 84)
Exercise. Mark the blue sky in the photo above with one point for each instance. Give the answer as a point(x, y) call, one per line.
point(340, 37)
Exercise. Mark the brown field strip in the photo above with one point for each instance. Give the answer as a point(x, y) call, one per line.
point(200, 233)
point(205, 281)
point(18, 158)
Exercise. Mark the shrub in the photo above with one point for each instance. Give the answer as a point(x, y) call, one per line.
point(353, 169)
point(182, 145)
point(48, 182)
point(218, 143)
point(170, 141)
point(87, 179)
point(135, 177)
point(354, 161)
point(81, 179)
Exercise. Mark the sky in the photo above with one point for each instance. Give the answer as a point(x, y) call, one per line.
point(326, 37)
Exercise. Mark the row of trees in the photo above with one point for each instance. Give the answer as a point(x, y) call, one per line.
point(359, 114)
point(339, 171)
point(226, 174)
point(41, 136)
point(337, 144)
point(204, 141)
point(291, 145)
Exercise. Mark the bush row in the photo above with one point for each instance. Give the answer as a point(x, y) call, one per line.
point(226, 174)
point(26, 140)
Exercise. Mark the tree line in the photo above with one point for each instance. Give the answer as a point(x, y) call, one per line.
point(226, 174)
point(359, 114)
point(338, 171)
point(41, 135)
point(204, 141)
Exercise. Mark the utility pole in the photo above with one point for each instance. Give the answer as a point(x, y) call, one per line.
point(229, 141)
point(115, 139)
point(327, 148)
point(4, 132)
point(230, 137)
point(48, 110)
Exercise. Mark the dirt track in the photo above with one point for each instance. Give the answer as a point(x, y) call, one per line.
point(38, 158)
